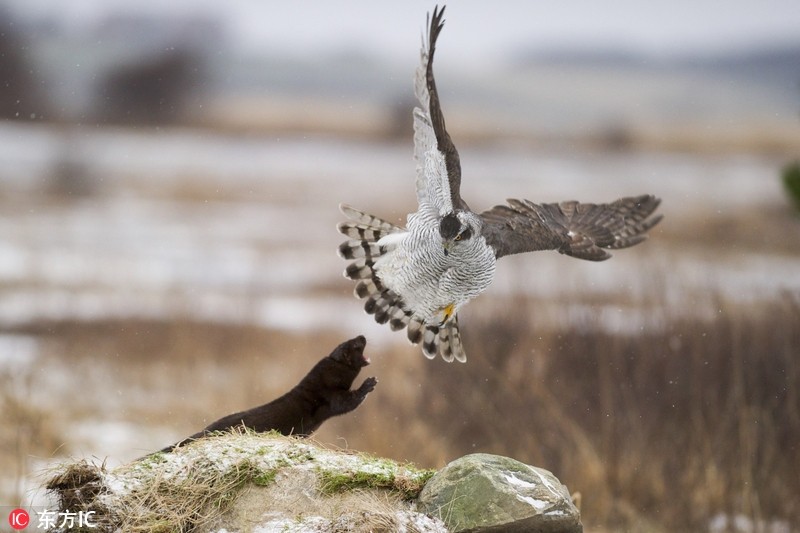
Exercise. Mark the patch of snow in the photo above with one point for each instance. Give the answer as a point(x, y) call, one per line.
point(17, 352)
point(537, 504)
point(723, 523)
point(311, 524)
point(410, 521)
point(407, 522)
point(514, 480)
point(547, 483)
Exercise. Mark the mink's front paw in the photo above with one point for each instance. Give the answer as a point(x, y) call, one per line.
point(368, 386)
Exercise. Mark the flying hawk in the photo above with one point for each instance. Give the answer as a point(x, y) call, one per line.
point(420, 276)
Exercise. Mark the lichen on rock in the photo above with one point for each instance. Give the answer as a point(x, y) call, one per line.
point(482, 492)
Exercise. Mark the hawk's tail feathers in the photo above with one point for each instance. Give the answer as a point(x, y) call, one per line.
point(356, 249)
point(366, 220)
point(383, 304)
point(387, 307)
point(358, 231)
point(361, 268)
point(438, 340)
point(364, 232)
point(415, 330)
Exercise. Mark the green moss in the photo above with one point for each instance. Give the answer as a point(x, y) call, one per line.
point(299, 456)
point(153, 460)
point(263, 479)
point(333, 482)
point(379, 474)
point(791, 182)
point(425, 475)
point(293, 457)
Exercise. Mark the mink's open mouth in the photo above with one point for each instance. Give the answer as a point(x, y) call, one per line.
point(359, 343)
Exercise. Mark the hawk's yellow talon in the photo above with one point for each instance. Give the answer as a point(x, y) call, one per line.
point(448, 312)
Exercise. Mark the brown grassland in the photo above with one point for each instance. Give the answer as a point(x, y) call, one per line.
point(658, 432)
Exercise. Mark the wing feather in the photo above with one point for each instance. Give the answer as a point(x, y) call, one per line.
point(582, 230)
point(438, 163)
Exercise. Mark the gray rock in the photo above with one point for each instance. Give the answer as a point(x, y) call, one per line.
point(491, 493)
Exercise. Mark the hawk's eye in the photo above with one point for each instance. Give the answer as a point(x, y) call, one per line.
point(458, 237)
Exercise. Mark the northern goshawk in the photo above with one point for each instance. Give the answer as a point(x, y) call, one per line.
point(419, 277)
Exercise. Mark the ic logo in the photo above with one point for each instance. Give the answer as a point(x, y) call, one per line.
point(19, 519)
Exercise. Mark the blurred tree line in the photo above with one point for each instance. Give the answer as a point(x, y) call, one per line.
point(20, 94)
point(152, 86)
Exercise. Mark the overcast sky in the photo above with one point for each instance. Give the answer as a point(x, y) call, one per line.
point(477, 30)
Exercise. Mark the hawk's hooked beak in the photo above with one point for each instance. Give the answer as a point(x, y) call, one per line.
point(446, 247)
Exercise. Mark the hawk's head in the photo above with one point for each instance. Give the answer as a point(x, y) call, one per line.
point(457, 227)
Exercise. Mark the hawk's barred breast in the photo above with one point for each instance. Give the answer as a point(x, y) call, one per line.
point(427, 279)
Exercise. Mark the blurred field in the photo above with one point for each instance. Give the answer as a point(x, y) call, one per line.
point(661, 431)
point(661, 385)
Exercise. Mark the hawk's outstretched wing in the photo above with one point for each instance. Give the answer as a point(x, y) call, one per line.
point(584, 231)
point(438, 164)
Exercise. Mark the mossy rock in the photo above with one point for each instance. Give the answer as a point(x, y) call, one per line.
point(490, 493)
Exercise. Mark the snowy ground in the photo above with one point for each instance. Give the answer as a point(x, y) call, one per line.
point(242, 229)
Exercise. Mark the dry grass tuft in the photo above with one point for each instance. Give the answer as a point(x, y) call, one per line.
point(163, 503)
point(185, 503)
point(78, 486)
